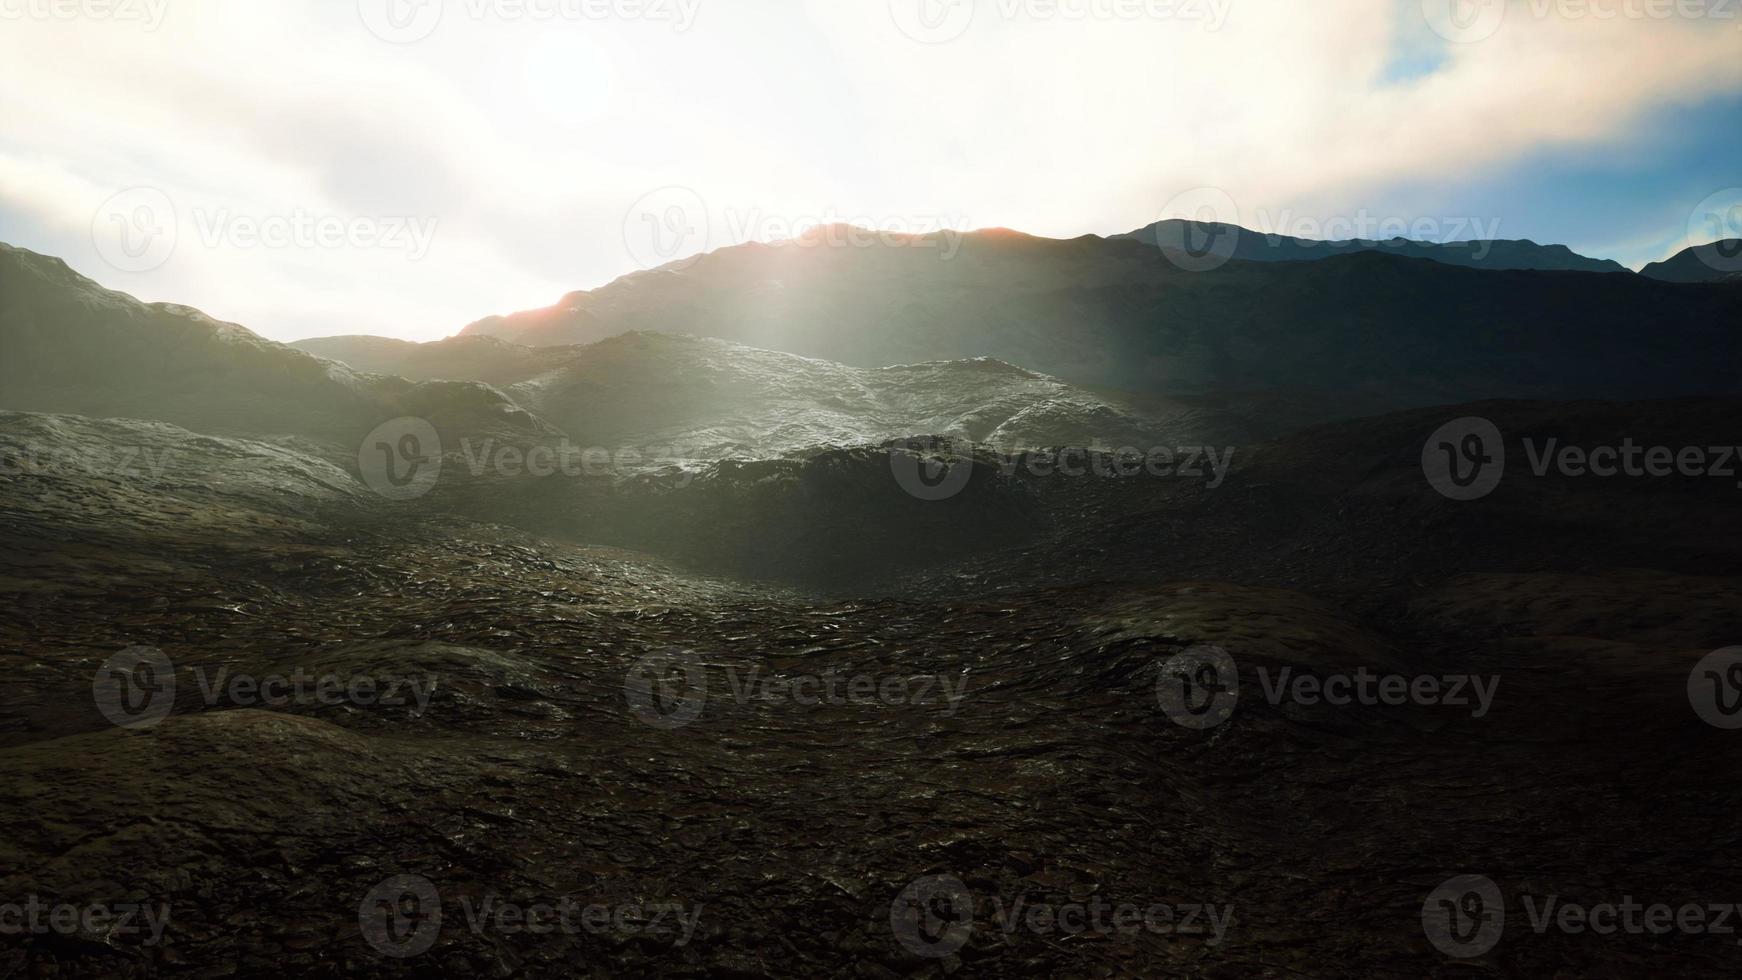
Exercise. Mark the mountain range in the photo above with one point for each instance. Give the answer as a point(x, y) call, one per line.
point(613, 672)
point(1237, 242)
point(1351, 333)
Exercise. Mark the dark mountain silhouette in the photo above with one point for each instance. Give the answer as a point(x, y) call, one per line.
point(1244, 243)
point(1368, 329)
point(1713, 262)
point(75, 348)
point(72, 347)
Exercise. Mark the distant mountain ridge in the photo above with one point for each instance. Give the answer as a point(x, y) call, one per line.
point(1238, 242)
point(72, 347)
point(1357, 333)
point(75, 348)
point(1719, 261)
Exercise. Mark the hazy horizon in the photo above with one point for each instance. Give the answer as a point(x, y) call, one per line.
point(434, 163)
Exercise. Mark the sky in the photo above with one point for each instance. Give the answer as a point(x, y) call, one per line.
point(404, 167)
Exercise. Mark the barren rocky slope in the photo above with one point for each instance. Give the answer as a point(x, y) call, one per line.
point(530, 771)
point(708, 399)
point(759, 707)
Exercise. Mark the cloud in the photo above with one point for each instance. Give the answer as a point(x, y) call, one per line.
point(525, 141)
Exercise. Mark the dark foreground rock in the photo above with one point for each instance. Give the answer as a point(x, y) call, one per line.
point(742, 777)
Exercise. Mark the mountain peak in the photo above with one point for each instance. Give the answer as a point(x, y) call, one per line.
point(1719, 261)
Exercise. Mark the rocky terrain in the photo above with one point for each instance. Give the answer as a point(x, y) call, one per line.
point(718, 400)
point(890, 676)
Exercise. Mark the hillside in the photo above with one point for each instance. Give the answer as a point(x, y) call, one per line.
point(1713, 262)
point(1369, 328)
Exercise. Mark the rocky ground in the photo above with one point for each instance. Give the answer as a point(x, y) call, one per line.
point(548, 721)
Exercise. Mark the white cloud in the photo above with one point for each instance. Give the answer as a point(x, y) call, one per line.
point(526, 140)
